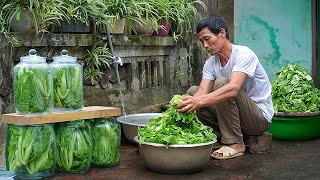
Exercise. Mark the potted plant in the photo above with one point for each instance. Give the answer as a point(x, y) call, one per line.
point(81, 15)
point(166, 13)
point(144, 17)
point(28, 16)
point(118, 11)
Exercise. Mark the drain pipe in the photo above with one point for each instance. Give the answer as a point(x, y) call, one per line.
point(116, 61)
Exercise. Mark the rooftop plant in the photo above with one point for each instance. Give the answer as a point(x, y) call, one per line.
point(42, 12)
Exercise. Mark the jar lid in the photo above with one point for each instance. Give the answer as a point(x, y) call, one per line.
point(6, 175)
point(64, 57)
point(32, 57)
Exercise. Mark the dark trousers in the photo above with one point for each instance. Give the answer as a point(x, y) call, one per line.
point(232, 117)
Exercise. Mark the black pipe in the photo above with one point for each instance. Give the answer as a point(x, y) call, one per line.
point(115, 64)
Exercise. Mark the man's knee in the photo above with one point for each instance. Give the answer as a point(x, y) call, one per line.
point(192, 90)
point(218, 83)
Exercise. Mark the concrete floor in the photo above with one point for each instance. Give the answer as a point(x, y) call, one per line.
point(288, 160)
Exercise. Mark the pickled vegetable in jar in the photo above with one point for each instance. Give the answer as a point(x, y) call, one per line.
point(33, 85)
point(30, 151)
point(74, 146)
point(67, 83)
point(106, 135)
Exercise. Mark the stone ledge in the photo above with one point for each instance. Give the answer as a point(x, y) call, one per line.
point(54, 40)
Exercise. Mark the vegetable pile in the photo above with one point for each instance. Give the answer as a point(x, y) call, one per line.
point(33, 90)
point(106, 135)
point(31, 147)
point(294, 91)
point(68, 91)
point(74, 146)
point(175, 127)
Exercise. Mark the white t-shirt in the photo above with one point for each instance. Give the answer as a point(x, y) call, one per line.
point(256, 85)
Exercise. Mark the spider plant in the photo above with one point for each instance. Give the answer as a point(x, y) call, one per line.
point(97, 59)
point(43, 13)
point(186, 15)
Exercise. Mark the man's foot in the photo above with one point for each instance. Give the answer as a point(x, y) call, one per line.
point(229, 151)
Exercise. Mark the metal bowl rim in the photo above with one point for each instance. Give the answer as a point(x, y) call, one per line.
point(175, 145)
point(119, 119)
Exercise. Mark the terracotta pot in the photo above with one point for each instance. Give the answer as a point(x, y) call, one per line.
point(164, 30)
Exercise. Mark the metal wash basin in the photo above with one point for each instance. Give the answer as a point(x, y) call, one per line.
point(175, 159)
point(130, 123)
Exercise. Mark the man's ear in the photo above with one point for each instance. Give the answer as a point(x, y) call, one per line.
point(223, 32)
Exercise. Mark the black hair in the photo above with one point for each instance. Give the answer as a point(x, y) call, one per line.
point(214, 23)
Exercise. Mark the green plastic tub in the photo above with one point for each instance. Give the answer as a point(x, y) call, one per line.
point(295, 128)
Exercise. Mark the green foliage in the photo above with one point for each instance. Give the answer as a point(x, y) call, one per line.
point(97, 59)
point(74, 146)
point(175, 127)
point(183, 13)
point(49, 11)
point(32, 90)
point(294, 91)
point(68, 90)
point(31, 147)
point(106, 135)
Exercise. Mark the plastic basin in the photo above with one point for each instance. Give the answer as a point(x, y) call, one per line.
point(295, 128)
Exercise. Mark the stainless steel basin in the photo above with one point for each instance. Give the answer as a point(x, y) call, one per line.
point(175, 159)
point(130, 123)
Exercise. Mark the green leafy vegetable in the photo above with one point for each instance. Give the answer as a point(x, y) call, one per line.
point(68, 88)
point(106, 134)
point(33, 90)
point(31, 147)
point(74, 146)
point(175, 127)
point(294, 91)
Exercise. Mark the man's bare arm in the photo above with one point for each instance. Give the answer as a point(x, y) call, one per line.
point(201, 98)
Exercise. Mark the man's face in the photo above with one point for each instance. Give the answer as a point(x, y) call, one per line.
point(211, 42)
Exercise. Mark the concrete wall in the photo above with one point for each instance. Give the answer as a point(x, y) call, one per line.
point(154, 69)
point(279, 32)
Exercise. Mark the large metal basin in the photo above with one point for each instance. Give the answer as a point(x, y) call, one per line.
point(175, 159)
point(130, 123)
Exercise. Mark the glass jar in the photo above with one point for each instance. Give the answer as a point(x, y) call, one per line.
point(30, 151)
point(106, 136)
point(33, 85)
point(74, 146)
point(67, 83)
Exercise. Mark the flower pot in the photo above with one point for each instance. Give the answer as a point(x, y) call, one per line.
point(118, 27)
point(143, 28)
point(165, 28)
point(26, 23)
point(75, 26)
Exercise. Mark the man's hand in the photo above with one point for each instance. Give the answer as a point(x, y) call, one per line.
point(189, 104)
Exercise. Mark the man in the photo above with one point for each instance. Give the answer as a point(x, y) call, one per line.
point(235, 90)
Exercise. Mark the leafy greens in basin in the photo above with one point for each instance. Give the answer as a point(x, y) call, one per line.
point(294, 91)
point(175, 127)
